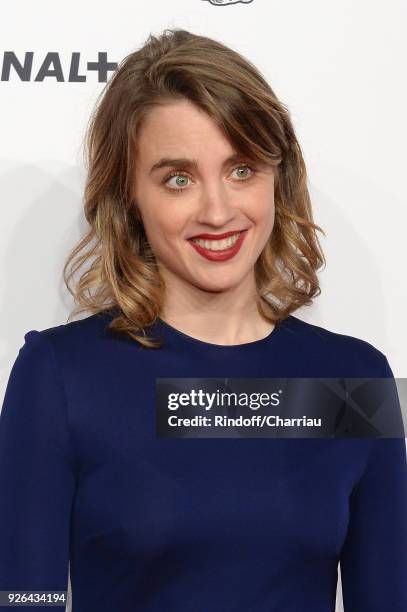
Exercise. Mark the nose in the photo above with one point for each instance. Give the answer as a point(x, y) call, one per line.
point(215, 207)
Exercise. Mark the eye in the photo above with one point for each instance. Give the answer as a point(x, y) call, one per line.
point(245, 166)
point(176, 174)
point(184, 177)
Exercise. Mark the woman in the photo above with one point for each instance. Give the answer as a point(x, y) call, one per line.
point(189, 141)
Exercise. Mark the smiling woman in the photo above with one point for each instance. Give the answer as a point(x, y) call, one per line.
point(217, 201)
point(187, 141)
point(201, 244)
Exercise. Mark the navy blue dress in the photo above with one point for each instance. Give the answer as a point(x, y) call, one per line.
point(152, 524)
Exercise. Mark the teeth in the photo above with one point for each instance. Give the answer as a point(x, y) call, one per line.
point(217, 245)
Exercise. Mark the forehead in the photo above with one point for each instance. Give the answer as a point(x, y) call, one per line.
point(180, 129)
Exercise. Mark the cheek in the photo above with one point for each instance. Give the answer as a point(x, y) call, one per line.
point(165, 219)
point(263, 211)
point(265, 220)
point(162, 232)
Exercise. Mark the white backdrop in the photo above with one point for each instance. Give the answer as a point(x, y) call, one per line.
point(339, 67)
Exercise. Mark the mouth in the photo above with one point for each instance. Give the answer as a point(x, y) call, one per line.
point(218, 243)
point(220, 249)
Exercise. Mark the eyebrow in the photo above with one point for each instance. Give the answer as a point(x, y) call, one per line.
point(167, 162)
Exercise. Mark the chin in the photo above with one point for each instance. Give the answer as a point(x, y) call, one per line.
point(217, 286)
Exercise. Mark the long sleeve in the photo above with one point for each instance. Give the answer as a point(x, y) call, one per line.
point(374, 556)
point(37, 473)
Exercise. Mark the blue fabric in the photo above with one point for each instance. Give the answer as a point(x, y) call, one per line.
point(184, 524)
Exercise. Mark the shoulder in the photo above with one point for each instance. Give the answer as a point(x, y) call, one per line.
point(92, 326)
point(353, 355)
point(36, 365)
point(68, 341)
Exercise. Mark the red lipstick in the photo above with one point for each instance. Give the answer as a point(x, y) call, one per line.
point(216, 236)
point(222, 255)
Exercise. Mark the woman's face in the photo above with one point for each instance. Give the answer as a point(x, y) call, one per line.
point(212, 195)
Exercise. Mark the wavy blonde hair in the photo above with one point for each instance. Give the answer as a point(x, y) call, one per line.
point(121, 272)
